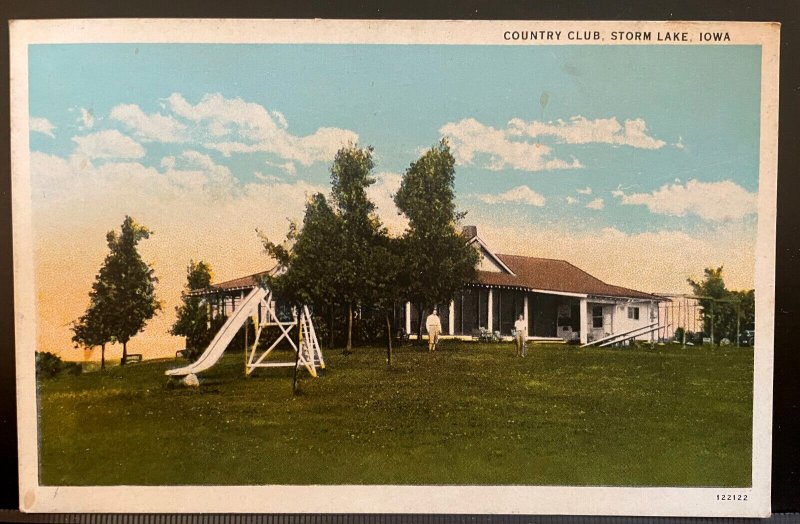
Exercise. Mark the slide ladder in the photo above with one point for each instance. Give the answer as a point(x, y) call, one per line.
point(308, 353)
point(224, 336)
point(311, 351)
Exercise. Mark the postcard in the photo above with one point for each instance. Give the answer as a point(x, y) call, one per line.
point(336, 266)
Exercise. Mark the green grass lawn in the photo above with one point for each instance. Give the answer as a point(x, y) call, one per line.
point(467, 414)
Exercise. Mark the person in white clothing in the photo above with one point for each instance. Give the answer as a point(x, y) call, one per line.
point(521, 328)
point(434, 326)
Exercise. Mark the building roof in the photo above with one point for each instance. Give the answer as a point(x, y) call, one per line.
point(533, 273)
point(241, 283)
point(547, 274)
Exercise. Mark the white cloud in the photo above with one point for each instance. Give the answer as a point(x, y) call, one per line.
point(517, 195)
point(586, 191)
point(288, 167)
point(108, 144)
point(211, 173)
point(153, 127)
point(716, 201)
point(42, 125)
point(280, 118)
point(572, 200)
point(470, 139)
point(382, 195)
point(580, 130)
point(249, 127)
point(266, 178)
point(86, 118)
point(596, 204)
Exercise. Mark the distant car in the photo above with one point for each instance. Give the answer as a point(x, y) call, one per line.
point(747, 337)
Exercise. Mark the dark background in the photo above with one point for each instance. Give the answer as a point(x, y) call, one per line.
point(786, 434)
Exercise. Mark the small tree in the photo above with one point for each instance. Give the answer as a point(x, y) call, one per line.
point(389, 283)
point(723, 310)
point(130, 283)
point(437, 260)
point(93, 328)
point(192, 316)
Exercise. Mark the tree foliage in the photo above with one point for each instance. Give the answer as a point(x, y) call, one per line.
point(723, 310)
point(192, 316)
point(436, 260)
point(334, 258)
point(308, 258)
point(95, 326)
point(342, 256)
point(129, 284)
point(351, 175)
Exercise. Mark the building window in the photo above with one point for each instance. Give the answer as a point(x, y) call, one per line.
point(633, 313)
point(597, 317)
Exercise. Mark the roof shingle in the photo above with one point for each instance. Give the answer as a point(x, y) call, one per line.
point(548, 274)
point(545, 274)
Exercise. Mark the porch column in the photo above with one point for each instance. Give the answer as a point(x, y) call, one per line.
point(408, 318)
point(584, 321)
point(652, 318)
point(489, 304)
point(525, 309)
point(452, 319)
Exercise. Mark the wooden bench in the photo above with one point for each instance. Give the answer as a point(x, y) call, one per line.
point(133, 357)
point(402, 336)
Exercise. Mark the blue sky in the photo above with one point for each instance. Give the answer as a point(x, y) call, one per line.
point(637, 150)
point(397, 98)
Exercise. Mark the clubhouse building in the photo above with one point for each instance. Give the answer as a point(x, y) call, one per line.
point(559, 301)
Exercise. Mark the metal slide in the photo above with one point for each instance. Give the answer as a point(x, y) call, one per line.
point(224, 336)
point(622, 337)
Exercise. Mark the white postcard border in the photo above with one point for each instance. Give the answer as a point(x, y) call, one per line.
point(381, 499)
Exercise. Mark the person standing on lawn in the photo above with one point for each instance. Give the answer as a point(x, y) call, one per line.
point(521, 327)
point(434, 326)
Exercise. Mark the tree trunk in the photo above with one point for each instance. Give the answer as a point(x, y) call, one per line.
point(103, 356)
point(388, 340)
point(331, 314)
point(124, 353)
point(349, 347)
point(419, 323)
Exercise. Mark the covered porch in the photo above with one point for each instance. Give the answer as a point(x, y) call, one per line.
point(550, 316)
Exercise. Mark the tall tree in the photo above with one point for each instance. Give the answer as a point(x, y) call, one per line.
point(93, 328)
point(351, 175)
point(130, 282)
point(308, 258)
point(192, 316)
point(724, 311)
point(437, 260)
point(333, 259)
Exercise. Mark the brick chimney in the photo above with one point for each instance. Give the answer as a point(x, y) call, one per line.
point(469, 232)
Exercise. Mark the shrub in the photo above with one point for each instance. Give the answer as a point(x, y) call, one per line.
point(49, 365)
point(73, 368)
